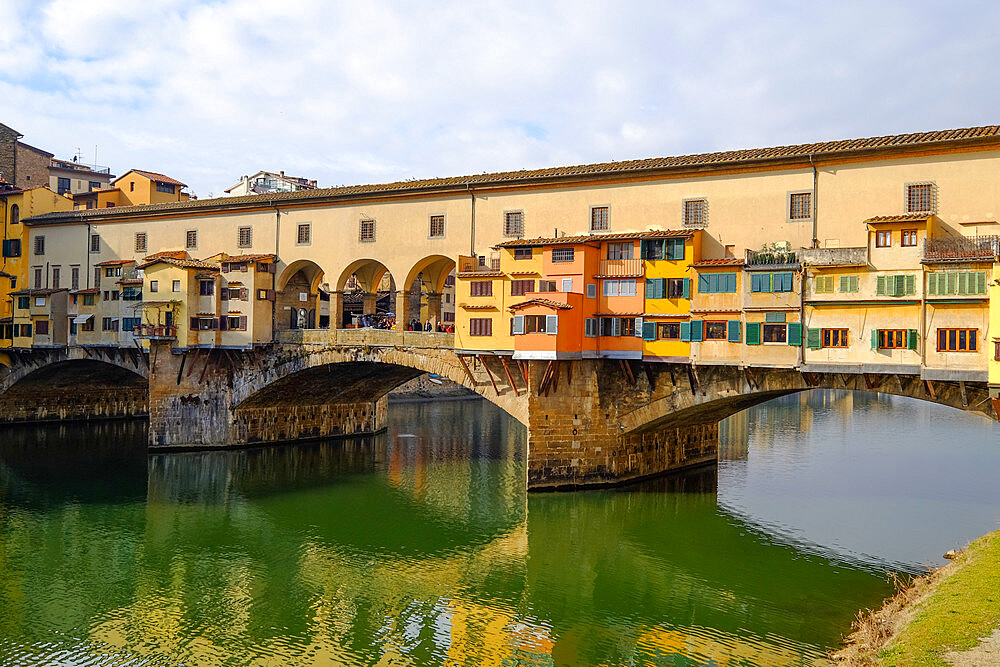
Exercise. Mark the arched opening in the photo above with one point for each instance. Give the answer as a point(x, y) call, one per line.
point(366, 289)
point(301, 302)
point(428, 298)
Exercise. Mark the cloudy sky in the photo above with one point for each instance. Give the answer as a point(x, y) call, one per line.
point(373, 91)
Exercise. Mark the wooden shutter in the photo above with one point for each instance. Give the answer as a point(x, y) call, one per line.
point(244, 294)
point(686, 293)
point(874, 339)
point(194, 323)
point(733, 331)
point(795, 333)
point(880, 286)
point(686, 332)
point(753, 333)
point(518, 325)
point(910, 284)
point(616, 326)
point(697, 330)
point(223, 323)
point(270, 294)
point(243, 322)
point(703, 284)
point(911, 339)
point(551, 324)
point(932, 284)
point(224, 294)
point(813, 338)
point(638, 327)
point(649, 330)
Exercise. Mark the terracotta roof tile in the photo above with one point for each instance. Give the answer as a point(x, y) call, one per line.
point(89, 290)
point(176, 254)
point(183, 263)
point(247, 258)
point(114, 262)
point(903, 217)
point(477, 306)
point(153, 176)
point(721, 159)
point(547, 303)
point(728, 261)
point(130, 281)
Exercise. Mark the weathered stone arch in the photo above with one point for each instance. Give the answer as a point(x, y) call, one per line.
point(312, 271)
point(435, 270)
point(369, 273)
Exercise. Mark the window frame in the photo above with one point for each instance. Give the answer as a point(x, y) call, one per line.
point(931, 197)
point(366, 230)
point(689, 222)
point(883, 238)
point(95, 243)
point(476, 288)
point(518, 231)
point(303, 239)
point(605, 224)
point(145, 242)
point(38, 246)
point(891, 339)
point(480, 326)
point(912, 233)
point(187, 239)
point(248, 230)
point(790, 208)
point(773, 326)
point(971, 339)
point(436, 218)
point(662, 329)
point(715, 326)
point(519, 284)
point(523, 253)
point(835, 338)
point(563, 255)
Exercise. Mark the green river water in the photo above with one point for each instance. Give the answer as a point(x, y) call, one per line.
point(420, 546)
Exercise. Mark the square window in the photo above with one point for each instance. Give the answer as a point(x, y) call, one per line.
point(920, 198)
point(668, 331)
point(436, 230)
point(834, 337)
point(800, 206)
point(521, 287)
point(909, 238)
point(620, 250)
point(715, 330)
point(513, 224)
point(567, 285)
point(366, 232)
point(775, 333)
point(562, 254)
point(207, 287)
point(883, 239)
point(522, 253)
point(303, 234)
point(244, 237)
point(481, 288)
point(695, 212)
point(599, 219)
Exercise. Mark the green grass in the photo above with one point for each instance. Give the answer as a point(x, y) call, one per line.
point(963, 609)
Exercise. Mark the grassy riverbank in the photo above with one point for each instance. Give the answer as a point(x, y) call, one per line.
point(947, 617)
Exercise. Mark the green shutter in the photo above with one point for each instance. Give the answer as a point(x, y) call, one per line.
point(795, 333)
point(932, 284)
point(910, 283)
point(686, 332)
point(697, 330)
point(845, 283)
point(911, 339)
point(880, 286)
point(687, 289)
point(980, 282)
point(951, 283)
point(813, 338)
point(649, 330)
point(675, 249)
point(731, 282)
point(874, 339)
point(963, 282)
point(703, 284)
point(651, 284)
point(644, 250)
point(775, 317)
point(753, 333)
point(734, 331)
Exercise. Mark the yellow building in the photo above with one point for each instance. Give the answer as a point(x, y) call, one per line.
point(994, 337)
point(483, 295)
point(134, 188)
point(182, 299)
point(669, 285)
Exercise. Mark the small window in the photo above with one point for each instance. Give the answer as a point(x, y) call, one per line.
point(481, 288)
point(957, 340)
point(131, 186)
point(567, 285)
point(175, 286)
point(883, 239)
point(834, 337)
point(15, 214)
point(920, 198)
point(23, 302)
point(366, 233)
point(207, 287)
point(892, 339)
point(522, 253)
point(39, 245)
point(695, 212)
point(95, 243)
point(56, 277)
point(775, 333)
point(513, 224)
point(590, 327)
point(800, 206)
point(245, 237)
point(534, 324)
point(39, 301)
point(191, 240)
point(154, 285)
point(74, 278)
point(38, 279)
point(848, 283)
point(90, 300)
point(480, 326)
point(62, 185)
point(165, 187)
point(42, 327)
point(562, 254)
point(599, 219)
point(436, 230)
point(140, 241)
point(620, 250)
point(304, 234)
point(675, 288)
point(521, 287)
point(715, 330)
point(668, 331)
point(591, 291)
point(909, 238)
point(546, 286)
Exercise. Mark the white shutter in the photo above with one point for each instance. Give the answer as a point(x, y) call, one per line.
point(551, 324)
point(638, 327)
point(616, 326)
point(567, 284)
point(518, 324)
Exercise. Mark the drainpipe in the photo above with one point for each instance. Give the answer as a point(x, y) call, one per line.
point(87, 253)
point(274, 276)
point(472, 226)
point(815, 201)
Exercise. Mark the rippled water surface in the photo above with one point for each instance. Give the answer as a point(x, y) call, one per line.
point(421, 546)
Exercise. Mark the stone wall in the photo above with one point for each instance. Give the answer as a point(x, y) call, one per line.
point(32, 168)
point(8, 143)
point(83, 403)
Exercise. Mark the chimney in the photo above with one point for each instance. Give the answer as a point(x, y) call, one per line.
point(282, 173)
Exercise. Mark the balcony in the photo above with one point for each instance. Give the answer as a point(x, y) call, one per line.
point(834, 256)
point(772, 259)
point(155, 331)
point(619, 268)
point(962, 249)
point(479, 265)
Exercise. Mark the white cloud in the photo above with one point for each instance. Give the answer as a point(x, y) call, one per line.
point(362, 92)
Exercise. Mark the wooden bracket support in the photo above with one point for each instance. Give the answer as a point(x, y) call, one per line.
point(929, 386)
point(490, 376)
point(510, 378)
point(965, 398)
point(650, 378)
point(461, 360)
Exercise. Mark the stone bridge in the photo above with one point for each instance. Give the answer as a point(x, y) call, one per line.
point(589, 422)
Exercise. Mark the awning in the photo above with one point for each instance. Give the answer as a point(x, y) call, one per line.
point(80, 319)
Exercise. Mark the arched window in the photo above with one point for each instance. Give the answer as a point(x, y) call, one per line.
point(15, 214)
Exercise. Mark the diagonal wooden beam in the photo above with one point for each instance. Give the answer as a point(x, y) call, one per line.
point(181, 369)
point(649, 375)
point(461, 360)
point(929, 386)
point(554, 383)
point(490, 376)
point(510, 378)
point(965, 398)
point(543, 384)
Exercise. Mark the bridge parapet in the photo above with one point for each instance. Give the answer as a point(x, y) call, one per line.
point(369, 337)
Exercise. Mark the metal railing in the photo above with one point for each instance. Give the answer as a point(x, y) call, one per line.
point(962, 247)
point(474, 265)
point(155, 331)
point(625, 268)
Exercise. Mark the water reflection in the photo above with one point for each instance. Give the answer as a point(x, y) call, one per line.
point(421, 546)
